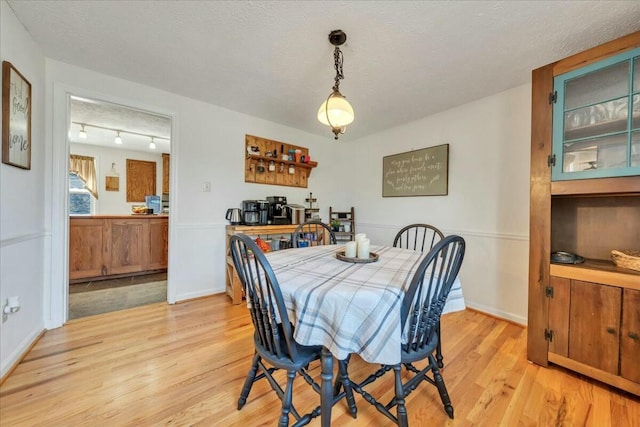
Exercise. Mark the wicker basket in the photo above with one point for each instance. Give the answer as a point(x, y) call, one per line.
point(627, 259)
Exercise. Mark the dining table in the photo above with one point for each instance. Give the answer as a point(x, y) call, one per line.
point(349, 306)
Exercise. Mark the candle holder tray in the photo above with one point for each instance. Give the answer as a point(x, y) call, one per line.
point(373, 257)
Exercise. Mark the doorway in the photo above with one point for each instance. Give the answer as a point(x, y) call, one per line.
point(117, 241)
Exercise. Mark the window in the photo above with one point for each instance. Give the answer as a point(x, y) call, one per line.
point(81, 202)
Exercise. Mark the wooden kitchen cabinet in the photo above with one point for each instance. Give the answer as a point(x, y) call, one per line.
point(158, 244)
point(583, 317)
point(86, 244)
point(630, 336)
point(165, 173)
point(111, 246)
point(589, 331)
point(141, 180)
point(125, 245)
point(594, 328)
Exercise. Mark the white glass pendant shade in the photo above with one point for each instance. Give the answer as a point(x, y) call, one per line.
point(336, 111)
point(117, 139)
point(82, 134)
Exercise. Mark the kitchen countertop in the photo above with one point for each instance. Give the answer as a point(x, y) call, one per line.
point(114, 216)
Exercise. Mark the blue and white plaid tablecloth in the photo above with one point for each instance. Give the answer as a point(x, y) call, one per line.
point(350, 307)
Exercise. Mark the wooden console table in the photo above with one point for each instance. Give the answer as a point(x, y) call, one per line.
point(233, 285)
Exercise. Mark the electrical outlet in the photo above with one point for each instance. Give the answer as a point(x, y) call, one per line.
point(206, 187)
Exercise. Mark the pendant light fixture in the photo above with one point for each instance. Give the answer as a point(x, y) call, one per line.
point(152, 144)
point(118, 140)
point(336, 111)
point(82, 134)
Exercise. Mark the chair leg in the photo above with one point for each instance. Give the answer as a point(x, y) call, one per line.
point(346, 383)
point(442, 389)
point(286, 400)
point(248, 382)
point(439, 348)
point(402, 410)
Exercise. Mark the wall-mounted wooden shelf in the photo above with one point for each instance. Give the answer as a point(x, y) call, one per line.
point(285, 172)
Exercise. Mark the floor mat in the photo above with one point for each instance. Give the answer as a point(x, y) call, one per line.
point(106, 300)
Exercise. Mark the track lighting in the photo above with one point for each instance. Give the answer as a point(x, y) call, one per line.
point(118, 138)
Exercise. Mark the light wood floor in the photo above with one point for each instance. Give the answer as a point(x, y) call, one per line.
point(184, 365)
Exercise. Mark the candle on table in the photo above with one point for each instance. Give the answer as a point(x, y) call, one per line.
point(363, 248)
point(350, 250)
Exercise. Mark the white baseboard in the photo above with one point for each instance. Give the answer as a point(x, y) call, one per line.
point(497, 313)
point(18, 354)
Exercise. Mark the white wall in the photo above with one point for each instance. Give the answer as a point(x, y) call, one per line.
point(22, 211)
point(488, 200)
point(115, 202)
point(207, 145)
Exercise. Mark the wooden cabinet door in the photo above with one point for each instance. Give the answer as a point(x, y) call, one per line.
point(630, 336)
point(141, 180)
point(165, 173)
point(559, 315)
point(594, 325)
point(158, 243)
point(126, 245)
point(85, 248)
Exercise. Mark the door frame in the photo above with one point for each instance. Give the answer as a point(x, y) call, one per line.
point(56, 280)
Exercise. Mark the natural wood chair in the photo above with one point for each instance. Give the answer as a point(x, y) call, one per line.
point(313, 233)
point(273, 336)
point(420, 314)
point(421, 237)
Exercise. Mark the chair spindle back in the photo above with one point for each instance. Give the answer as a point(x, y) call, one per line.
point(418, 237)
point(427, 294)
point(273, 330)
point(315, 232)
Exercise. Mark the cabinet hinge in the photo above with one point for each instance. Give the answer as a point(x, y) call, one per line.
point(551, 160)
point(548, 335)
point(553, 97)
point(548, 292)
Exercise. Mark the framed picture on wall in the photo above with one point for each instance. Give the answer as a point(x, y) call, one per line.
point(16, 118)
point(423, 172)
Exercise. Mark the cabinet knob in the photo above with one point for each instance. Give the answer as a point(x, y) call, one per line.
point(633, 336)
point(611, 330)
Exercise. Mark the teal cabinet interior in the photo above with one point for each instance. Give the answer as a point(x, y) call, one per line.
point(596, 120)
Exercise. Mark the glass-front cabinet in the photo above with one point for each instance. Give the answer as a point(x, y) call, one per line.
point(596, 120)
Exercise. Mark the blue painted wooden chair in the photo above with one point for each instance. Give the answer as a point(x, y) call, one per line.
point(313, 233)
point(421, 237)
point(273, 335)
point(421, 309)
point(418, 237)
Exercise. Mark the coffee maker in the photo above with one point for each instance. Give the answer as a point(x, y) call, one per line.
point(250, 212)
point(263, 212)
point(277, 214)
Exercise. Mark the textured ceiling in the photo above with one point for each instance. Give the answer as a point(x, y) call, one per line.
point(103, 121)
point(403, 60)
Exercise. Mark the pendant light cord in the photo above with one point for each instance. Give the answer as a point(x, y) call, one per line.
point(337, 56)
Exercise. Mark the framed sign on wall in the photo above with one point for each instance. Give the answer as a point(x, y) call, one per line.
point(16, 118)
point(423, 172)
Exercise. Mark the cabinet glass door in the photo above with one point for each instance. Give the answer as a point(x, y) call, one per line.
point(635, 122)
point(596, 119)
